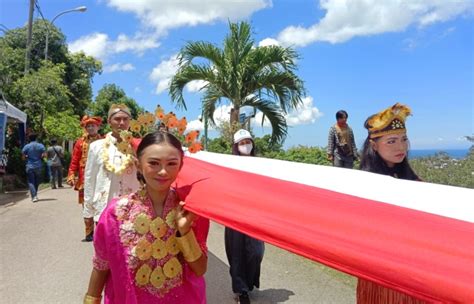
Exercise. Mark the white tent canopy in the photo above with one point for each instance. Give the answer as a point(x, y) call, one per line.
point(11, 112)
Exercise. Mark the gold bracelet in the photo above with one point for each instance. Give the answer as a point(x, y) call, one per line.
point(91, 300)
point(189, 246)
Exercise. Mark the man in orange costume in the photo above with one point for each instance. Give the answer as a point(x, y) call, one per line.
point(78, 163)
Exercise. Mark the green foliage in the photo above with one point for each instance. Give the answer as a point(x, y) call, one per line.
point(219, 145)
point(243, 75)
point(80, 69)
point(265, 147)
point(12, 64)
point(16, 164)
point(63, 126)
point(71, 73)
point(110, 94)
point(303, 154)
point(42, 93)
point(442, 169)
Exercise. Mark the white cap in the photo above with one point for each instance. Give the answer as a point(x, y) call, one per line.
point(241, 134)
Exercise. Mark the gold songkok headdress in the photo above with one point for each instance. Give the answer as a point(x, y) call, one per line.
point(115, 108)
point(389, 121)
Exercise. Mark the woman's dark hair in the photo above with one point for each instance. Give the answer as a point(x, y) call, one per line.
point(235, 148)
point(371, 161)
point(156, 138)
point(32, 137)
point(341, 114)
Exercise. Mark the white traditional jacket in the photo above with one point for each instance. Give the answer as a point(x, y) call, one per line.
point(100, 185)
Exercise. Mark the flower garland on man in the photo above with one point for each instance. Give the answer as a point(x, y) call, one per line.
point(77, 166)
point(110, 170)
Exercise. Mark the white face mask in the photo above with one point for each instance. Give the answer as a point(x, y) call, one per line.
point(245, 149)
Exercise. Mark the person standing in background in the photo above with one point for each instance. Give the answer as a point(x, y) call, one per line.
point(342, 150)
point(55, 156)
point(244, 253)
point(34, 153)
point(77, 166)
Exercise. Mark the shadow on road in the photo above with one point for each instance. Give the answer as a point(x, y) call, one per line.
point(219, 286)
point(12, 198)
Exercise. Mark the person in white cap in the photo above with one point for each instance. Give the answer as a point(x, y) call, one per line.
point(244, 253)
point(109, 172)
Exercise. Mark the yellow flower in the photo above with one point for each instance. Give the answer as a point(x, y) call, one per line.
point(149, 118)
point(171, 218)
point(126, 135)
point(172, 268)
point(159, 249)
point(135, 126)
point(141, 119)
point(157, 277)
point(141, 223)
point(142, 277)
point(158, 227)
point(123, 147)
point(172, 245)
point(143, 250)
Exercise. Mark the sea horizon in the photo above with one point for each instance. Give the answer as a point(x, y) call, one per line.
point(454, 153)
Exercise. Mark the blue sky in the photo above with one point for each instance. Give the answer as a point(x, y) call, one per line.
point(357, 55)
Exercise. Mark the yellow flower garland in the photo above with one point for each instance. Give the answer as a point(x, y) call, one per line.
point(106, 158)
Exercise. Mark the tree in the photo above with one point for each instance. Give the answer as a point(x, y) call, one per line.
point(110, 94)
point(63, 126)
point(79, 69)
point(242, 74)
point(42, 93)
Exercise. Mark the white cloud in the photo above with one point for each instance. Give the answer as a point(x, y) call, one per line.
point(93, 45)
point(440, 139)
point(118, 67)
point(195, 125)
point(163, 73)
point(268, 42)
point(162, 15)
point(346, 19)
point(196, 85)
point(305, 114)
point(221, 115)
point(100, 46)
point(165, 70)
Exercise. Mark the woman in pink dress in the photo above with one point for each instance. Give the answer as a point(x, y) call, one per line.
point(148, 249)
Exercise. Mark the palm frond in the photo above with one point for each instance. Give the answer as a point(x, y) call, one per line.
point(273, 113)
point(200, 49)
point(185, 75)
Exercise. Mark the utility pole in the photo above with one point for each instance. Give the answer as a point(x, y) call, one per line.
point(28, 37)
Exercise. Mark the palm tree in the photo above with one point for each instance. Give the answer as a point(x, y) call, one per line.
point(242, 74)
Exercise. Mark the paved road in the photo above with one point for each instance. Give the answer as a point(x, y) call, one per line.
point(43, 261)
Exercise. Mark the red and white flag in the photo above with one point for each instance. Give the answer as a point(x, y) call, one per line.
point(414, 237)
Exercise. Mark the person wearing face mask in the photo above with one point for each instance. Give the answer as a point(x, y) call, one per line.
point(244, 253)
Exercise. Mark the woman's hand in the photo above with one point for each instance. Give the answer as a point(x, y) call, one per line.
point(184, 219)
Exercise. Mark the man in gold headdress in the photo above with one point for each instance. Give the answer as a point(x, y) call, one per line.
point(110, 170)
point(75, 175)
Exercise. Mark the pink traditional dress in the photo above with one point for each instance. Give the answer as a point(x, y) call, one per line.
point(140, 250)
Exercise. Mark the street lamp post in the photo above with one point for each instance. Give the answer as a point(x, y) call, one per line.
point(77, 9)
